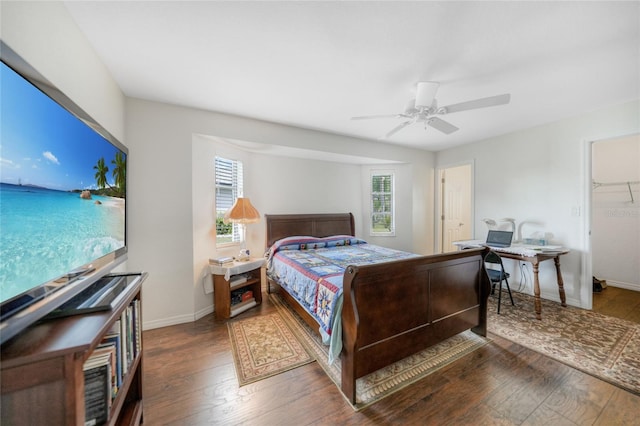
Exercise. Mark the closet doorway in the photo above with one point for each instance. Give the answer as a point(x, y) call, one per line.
point(615, 212)
point(455, 205)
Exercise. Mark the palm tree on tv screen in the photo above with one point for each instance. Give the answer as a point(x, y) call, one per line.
point(120, 172)
point(101, 173)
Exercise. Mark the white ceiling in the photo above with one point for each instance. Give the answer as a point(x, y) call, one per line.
point(316, 64)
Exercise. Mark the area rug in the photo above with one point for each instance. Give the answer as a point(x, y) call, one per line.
point(264, 346)
point(388, 380)
point(602, 346)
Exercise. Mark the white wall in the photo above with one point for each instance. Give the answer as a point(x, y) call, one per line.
point(46, 37)
point(170, 179)
point(541, 176)
point(44, 34)
point(165, 228)
point(403, 195)
point(616, 212)
point(275, 185)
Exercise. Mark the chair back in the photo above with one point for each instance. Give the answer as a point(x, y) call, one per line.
point(493, 257)
point(497, 276)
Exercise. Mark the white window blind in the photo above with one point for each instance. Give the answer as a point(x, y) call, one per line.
point(382, 204)
point(228, 188)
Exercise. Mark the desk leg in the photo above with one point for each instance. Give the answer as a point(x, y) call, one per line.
point(536, 291)
point(563, 297)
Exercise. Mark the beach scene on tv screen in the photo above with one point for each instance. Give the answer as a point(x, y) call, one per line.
point(62, 190)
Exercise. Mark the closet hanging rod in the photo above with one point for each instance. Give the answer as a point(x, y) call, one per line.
point(626, 183)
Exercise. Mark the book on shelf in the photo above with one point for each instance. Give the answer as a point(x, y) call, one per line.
point(237, 279)
point(109, 351)
point(97, 389)
point(247, 295)
point(137, 326)
point(112, 339)
point(109, 363)
point(243, 306)
point(240, 295)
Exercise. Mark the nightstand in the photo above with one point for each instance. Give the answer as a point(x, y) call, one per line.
point(236, 287)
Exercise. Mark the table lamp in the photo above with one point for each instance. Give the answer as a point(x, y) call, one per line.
point(242, 212)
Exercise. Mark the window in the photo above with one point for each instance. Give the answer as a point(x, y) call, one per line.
point(382, 204)
point(228, 188)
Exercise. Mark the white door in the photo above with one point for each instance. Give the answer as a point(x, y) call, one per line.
point(456, 205)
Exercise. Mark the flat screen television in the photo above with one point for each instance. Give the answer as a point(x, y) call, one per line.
point(62, 197)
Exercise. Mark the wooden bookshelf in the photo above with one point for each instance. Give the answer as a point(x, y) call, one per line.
point(42, 368)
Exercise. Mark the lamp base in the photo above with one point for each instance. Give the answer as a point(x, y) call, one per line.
point(243, 256)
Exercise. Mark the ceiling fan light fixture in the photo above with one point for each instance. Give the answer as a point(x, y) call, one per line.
point(426, 93)
point(424, 108)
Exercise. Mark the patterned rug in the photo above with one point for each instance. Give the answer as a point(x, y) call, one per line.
point(388, 380)
point(264, 346)
point(603, 346)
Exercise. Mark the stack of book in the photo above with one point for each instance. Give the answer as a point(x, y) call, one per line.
point(98, 376)
point(221, 261)
point(107, 366)
point(241, 300)
point(236, 280)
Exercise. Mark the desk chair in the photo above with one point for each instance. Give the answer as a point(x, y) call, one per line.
point(497, 276)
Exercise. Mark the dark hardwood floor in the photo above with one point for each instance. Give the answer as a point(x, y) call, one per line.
point(189, 379)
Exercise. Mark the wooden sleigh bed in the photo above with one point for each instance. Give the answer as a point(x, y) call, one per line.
point(425, 299)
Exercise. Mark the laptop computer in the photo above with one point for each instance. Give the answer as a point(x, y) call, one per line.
point(499, 238)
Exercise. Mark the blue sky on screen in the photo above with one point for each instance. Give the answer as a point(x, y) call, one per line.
point(43, 144)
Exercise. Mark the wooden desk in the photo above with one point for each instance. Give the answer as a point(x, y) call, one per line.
point(535, 261)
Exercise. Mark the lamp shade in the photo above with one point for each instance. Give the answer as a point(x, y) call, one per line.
point(242, 212)
point(425, 93)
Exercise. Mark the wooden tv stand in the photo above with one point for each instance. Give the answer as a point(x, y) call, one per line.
point(42, 378)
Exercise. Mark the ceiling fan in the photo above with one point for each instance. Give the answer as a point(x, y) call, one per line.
point(424, 109)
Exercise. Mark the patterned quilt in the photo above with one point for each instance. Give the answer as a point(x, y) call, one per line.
point(311, 270)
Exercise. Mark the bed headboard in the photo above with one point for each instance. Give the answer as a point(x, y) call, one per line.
point(314, 225)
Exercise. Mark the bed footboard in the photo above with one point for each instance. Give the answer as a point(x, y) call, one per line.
point(395, 309)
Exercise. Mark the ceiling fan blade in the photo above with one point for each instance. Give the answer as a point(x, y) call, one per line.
point(439, 124)
point(398, 128)
point(366, 117)
point(475, 104)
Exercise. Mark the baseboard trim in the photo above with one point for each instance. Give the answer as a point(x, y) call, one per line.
point(179, 319)
point(166, 322)
point(619, 284)
point(203, 312)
